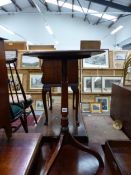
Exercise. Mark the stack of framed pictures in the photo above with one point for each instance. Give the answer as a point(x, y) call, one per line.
point(99, 84)
point(101, 104)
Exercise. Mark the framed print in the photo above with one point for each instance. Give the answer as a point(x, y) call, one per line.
point(87, 83)
point(16, 81)
point(30, 62)
point(104, 102)
point(39, 105)
point(85, 107)
point(96, 84)
point(9, 54)
point(119, 58)
point(99, 60)
point(120, 55)
point(108, 81)
point(56, 99)
point(95, 107)
point(35, 81)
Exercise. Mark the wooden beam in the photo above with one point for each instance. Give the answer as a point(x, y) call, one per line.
point(2, 8)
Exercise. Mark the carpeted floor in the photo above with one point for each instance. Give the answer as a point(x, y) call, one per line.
point(99, 129)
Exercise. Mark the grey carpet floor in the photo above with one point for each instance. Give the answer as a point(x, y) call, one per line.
point(99, 128)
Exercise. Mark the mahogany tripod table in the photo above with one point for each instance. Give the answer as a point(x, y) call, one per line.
point(65, 136)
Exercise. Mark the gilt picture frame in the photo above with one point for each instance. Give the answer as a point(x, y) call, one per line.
point(35, 81)
point(29, 62)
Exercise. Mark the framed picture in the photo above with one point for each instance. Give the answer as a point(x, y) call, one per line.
point(85, 107)
point(96, 84)
point(95, 107)
point(108, 81)
point(104, 102)
point(87, 84)
point(119, 58)
point(39, 105)
point(56, 99)
point(120, 55)
point(30, 62)
point(16, 81)
point(99, 60)
point(9, 54)
point(35, 81)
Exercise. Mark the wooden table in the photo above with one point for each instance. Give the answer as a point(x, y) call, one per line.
point(65, 136)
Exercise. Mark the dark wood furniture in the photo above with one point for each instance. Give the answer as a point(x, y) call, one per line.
point(52, 78)
point(121, 106)
point(65, 137)
point(4, 105)
point(118, 154)
point(18, 155)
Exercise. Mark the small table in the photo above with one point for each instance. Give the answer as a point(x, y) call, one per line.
point(65, 136)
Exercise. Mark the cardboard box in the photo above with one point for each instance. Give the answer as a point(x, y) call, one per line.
point(15, 45)
point(90, 44)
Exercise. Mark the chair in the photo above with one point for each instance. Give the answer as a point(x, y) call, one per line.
point(17, 97)
point(52, 78)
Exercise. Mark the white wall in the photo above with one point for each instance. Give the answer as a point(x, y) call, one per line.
point(67, 31)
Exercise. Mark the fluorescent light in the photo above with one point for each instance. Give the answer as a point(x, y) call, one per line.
point(7, 30)
point(83, 9)
point(49, 29)
point(5, 2)
point(116, 30)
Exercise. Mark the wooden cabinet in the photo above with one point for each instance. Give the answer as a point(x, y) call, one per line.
point(121, 106)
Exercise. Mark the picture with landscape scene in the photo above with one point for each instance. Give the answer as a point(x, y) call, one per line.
point(30, 62)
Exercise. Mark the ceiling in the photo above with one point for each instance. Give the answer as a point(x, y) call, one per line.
point(91, 11)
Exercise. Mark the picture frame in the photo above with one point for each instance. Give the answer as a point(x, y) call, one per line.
point(119, 58)
point(108, 81)
point(120, 54)
point(87, 84)
point(99, 60)
point(85, 107)
point(16, 81)
point(9, 55)
point(95, 107)
point(104, 102)
point(96, 84)
point(29, 62)
point(35, 81)
point(39, 105)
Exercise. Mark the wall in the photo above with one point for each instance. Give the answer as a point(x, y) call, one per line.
point(67, 31)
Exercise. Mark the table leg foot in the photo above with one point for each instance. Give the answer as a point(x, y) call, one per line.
point(67, 138)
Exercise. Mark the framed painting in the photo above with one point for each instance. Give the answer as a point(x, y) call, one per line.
point(95, 107)
point(99, 60)
point(87, 84)
point(15, 81)
point(96, 84)
point(9, 55)
point(35, 81)
point(119, 58)
point(104, 102)
point(28, 62)
point(85, 107)
point(108, 81)
point(39, 105)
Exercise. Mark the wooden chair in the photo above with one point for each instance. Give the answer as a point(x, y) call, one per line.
point(17, 93)
point(52, 78)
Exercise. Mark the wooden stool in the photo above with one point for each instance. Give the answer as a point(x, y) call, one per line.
point(52, 78)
